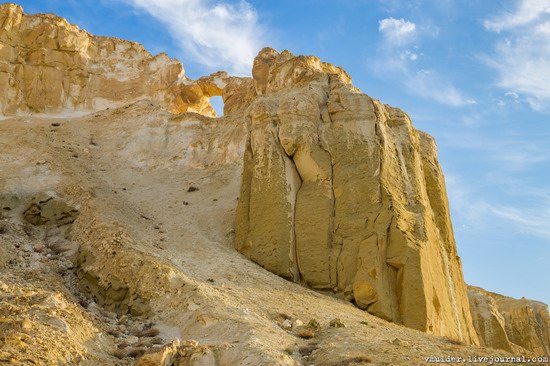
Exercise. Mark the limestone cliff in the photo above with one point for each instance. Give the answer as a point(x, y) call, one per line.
point(48, 65)
point(503, 322)
point(342, 193)
point(339, 191)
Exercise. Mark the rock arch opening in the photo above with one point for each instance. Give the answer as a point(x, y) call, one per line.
point(216, 102)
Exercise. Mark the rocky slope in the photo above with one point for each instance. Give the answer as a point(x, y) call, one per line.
point(118, 227)
point(149, 257)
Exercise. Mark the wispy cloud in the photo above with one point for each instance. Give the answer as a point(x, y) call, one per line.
point(473, 209)
point(513, 154)
point(397, 31)
point(469, 211)
point(531, 220)
point(522, 55)
point(507, 187)
point(428, 84)
point(399, 56)
point(527, 11)
point(409, 55)
point(219, 35)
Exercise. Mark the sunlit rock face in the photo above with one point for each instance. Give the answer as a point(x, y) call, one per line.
point(488, 321)
point(49, 66)
point(342, 193)
point(504, 322)
point(339, 192)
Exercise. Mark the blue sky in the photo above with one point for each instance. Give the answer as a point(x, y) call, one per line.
point(474, 74)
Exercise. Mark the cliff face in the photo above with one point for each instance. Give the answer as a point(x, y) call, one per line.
point(340, 192)
point(488, 321)
point(50, 66)
point(503, 322)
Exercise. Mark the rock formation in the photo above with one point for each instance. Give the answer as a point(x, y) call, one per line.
point(340, 192)
point(48, 65)
point(527, 323)
point(502, 321)
point(488, 321)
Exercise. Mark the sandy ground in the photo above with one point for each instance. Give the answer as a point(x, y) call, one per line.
point(168, 186)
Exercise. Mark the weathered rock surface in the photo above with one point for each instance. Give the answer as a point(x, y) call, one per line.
point(488, 321)
point(339, 191)
point(176, 354)
point(525, 323)
point(48, 65)
point(47, 209)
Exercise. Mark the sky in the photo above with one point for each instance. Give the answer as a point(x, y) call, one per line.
point(474, 74)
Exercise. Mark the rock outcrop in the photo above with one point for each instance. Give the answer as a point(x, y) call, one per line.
point(342, 193)
point(48, 65)
point(339, 192)
point(502, 321)
point(488, 321)
point(527, 323)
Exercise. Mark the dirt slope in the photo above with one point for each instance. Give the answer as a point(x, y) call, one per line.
point(149, 258)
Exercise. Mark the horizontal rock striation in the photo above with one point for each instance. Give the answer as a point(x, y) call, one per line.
point(342, 193)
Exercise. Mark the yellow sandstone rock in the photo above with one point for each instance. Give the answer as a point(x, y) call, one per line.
point(488, 321)
point(340, 192)
point(504, 322)
point(48, 65)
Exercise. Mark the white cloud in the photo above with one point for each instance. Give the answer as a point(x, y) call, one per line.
point(219, 35)
point(408, 55)
point(528, 11)
point(427, 84)
point(398, 57)
point(531, 220)
point(468, 210)
point(397, 31)
point(512, 95)
point(512, 99)
point(522, 56)
point(430, 30)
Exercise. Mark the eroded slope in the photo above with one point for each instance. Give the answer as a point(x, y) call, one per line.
point(142, 238)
